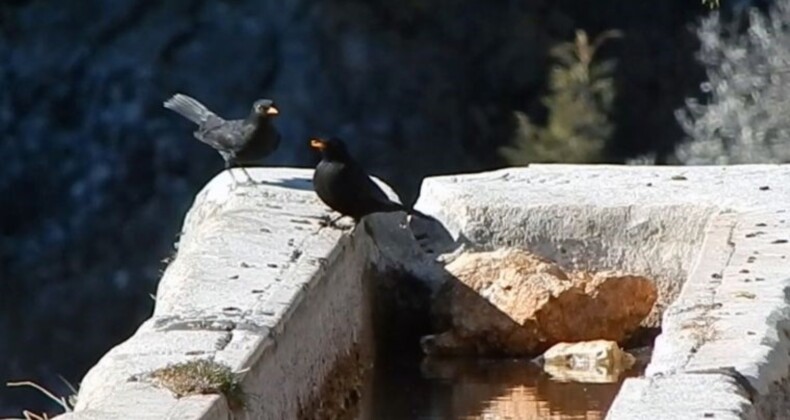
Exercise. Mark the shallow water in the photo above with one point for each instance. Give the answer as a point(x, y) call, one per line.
point(411, 388)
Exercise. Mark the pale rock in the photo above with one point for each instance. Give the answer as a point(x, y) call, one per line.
point(596, 361)
point(511, 302)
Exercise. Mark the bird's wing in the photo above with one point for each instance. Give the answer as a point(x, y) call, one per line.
point(221, 134)
point(369, 189)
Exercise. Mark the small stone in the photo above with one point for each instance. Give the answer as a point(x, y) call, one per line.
point(765, 188)
point(597, 361)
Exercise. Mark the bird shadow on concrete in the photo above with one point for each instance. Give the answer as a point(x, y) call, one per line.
point(302, 184)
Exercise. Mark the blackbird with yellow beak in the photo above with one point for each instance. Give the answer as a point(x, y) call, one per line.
point(239, 142)
point(345, 187)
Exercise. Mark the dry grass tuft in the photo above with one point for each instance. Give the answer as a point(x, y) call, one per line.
point(200, 377)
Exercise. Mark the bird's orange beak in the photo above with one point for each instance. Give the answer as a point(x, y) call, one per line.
point(317, 144)
point(272, 111)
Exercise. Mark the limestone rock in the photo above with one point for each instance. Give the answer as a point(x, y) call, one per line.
point(511, 302)
point(596, 361)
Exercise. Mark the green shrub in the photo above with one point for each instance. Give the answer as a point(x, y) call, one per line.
point(579, 103)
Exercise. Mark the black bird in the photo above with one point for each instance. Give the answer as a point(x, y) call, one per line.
point(239, 142)
point(345, 187)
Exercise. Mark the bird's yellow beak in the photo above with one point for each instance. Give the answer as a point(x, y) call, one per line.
point(317, 144)
point(272, 111)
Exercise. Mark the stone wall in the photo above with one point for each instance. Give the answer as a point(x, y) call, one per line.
point(257, 284)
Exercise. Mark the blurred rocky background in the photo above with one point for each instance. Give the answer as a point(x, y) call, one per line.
point(96, 176)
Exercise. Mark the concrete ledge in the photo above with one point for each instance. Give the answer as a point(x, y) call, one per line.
point(733, 315)
point(719, 234)
point(668, 398)
point(258, 285)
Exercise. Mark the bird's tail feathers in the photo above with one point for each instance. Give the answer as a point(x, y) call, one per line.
point(417, 213)
point(190, 108)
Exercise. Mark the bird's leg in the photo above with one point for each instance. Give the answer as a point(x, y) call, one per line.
point(247, 174)
point(229, 165)
point(333, 222)
point(328, 221)
point(235, 182)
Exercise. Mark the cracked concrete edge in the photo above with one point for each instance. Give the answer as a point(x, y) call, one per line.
point(668, 398)
point(238, 293)
point(731, 320)
point(686, 322)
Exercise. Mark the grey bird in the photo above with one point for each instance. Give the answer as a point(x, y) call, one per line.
point(239, 142)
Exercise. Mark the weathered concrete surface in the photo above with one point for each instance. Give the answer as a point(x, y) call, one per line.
point(733, 314)
point(722, 231)
point(258, 285)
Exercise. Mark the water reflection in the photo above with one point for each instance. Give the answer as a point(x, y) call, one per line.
point(411, 388)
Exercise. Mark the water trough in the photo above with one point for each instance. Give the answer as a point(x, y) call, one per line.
point(258, 285)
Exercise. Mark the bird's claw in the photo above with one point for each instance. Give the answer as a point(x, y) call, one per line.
point(326, 220)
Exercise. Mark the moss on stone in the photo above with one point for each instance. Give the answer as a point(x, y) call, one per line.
point(200, 377)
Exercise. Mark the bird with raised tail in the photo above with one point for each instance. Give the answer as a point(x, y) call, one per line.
point(343, 185)
point(240, 142)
